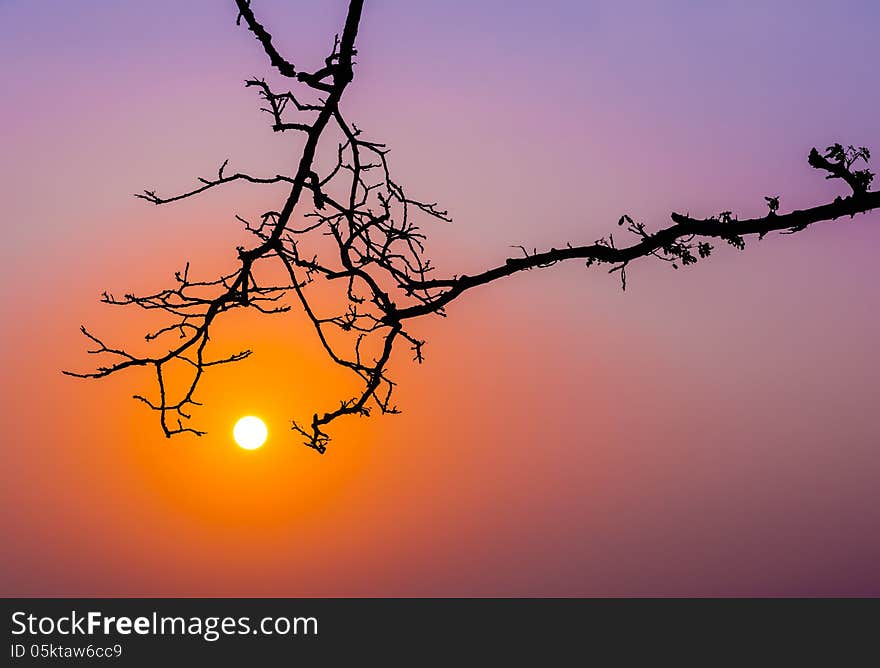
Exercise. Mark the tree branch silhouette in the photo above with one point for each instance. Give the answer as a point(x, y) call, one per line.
point(377, 257)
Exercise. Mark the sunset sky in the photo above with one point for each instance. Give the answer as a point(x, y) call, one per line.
point(710, 431)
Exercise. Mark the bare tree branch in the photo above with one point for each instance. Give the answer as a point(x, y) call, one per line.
point(281, 64)
point(377, 261)
point(665, 240)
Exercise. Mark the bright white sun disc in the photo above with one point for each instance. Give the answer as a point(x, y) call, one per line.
point(250, 432)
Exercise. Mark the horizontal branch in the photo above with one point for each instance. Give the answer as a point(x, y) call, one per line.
point(684, 226)
point(151, 196)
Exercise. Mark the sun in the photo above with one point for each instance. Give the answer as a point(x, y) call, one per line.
point(250, 432)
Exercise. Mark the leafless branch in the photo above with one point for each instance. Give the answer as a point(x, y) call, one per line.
point(378, 257)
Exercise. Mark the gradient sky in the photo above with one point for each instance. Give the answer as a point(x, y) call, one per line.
point(713, 430)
